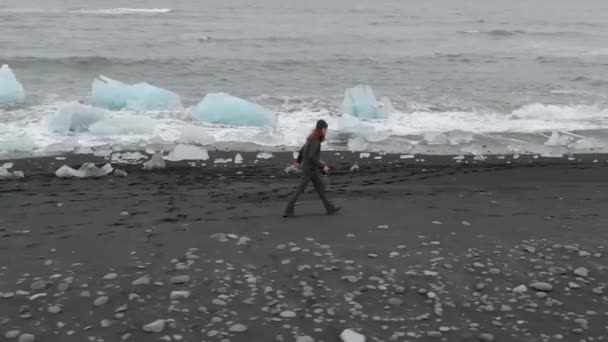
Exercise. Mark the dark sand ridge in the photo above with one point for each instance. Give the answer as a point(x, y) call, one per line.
point(98, 259)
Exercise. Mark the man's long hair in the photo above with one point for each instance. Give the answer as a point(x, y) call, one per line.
point(316, 135)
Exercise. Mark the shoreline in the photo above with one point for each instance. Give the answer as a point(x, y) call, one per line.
point(339, 161)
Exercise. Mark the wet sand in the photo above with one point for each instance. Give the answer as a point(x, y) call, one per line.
point(423, 250)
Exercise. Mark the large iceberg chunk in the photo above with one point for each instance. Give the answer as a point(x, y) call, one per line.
point(123, 125)
point(115, 95)
point(361, 102)
point(220, 108)
point(187, 152)
point(76, 117)
point(11, 91)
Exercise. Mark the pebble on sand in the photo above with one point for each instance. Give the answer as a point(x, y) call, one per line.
point(486, 337)
point(142, 281)
point(541, 286)
point(180, 295)
point(38, 285)
point(12, 334)
point(351, 336)
point(581, 272)
point(520, 289)
point(238, 328)
point(101, 301)
point(27, 338)
point(180, 279)
point(305, 339)
point(155, 327)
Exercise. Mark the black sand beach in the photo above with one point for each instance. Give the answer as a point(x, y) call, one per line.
point(423, 250)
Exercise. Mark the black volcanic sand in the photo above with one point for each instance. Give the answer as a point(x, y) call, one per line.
point(423, 250)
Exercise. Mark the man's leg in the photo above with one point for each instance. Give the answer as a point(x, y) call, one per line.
point(320, 188)
point(292, 200)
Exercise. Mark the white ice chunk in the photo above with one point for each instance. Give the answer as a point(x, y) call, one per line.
point(264, 155)
point(5, 174)
point(22, 143)
point(449, 138)
point(292, 170)
point(115, 95)
point(590, 143)
point(195, 135)
point(187, 152)
point(75, 117)
point(557, 139)
point(87, 170)
point(156, 162)
point(224, 109)
point(361, 102)
point(123, 125)
point(357, 143)
point(351, 336)
point(11, 91)
point(127, 158)
point(238, 159)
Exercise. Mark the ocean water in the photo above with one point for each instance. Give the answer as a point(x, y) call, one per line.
point(472, 76)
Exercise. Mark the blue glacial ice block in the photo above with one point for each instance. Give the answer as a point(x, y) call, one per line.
point(115, 95)
point(76, 117)
point(11, 91)
point(124, 125)
point(220, 108)
point(361, 102)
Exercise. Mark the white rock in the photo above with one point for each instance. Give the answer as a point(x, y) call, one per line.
point(238, 328)
point(155, 327)
point(180, 295)
point(351, 336)
point(520, 289)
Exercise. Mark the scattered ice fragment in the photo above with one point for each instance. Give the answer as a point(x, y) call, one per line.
point(224, 109)
point(156, 162)
point(123, 125)
point(407, 156)
point(127, 157)
point(360, 101)
point(75, 117)
point(222, 160)
point(187, 152)
point(87, 170)
point(238, 159)
point(115, 95)
point(458, 158)
point(364, 155)
point(466, 223)
point(264, 155)
point(195, 135)
point(354, 168)
point(383, 227)
point(292, 170)
point(11, 91)
point(349, 335)
point(5, 174)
